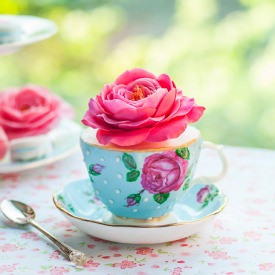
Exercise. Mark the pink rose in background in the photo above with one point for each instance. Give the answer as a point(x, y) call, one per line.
point(29, 111)
point(140, 107)
point(163, 172)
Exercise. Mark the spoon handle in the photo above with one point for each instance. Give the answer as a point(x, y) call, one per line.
point(77, 257)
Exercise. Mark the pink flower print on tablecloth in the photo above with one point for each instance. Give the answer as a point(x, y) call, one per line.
point(91, 263)
point(218, 224)
point(252, 235)
point(114, 248)
point(253, 212)
point(63, 224)
point(177, 271)
point(267, 267)
point(125, 264)
point(55, 254)
point(8, 247)
point(7, 268)
point(144, 250)
point(58, 270)
point(227, 240)
point(218, 255)
point(30, 235)
point(117, 255)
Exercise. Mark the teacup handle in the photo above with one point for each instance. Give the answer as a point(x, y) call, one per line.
point(213, 179)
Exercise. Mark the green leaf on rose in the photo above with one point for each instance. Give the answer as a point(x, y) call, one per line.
point(95, 169)
point(183, 153)
point(160, 198)
point(61, 199)
point(71, 208)
point(186, 185)
point(91, 178)
point(188, 173)
point(132, 175)
point(133, 199)
point(94, 173)
point(129, 162)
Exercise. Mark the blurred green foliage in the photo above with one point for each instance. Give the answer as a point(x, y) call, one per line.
point(220, 52)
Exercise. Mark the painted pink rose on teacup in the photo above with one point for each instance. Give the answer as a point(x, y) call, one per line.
point(203, 193)
point(30, 111)
point(140, 107)
point(163, 172)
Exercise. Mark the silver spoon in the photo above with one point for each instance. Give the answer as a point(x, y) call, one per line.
point(21, 213)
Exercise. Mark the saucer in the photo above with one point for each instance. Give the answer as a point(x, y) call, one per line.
point(32, 29)
point(78, 203)
point(61, 142)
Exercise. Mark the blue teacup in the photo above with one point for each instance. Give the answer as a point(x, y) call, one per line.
point(146, 181)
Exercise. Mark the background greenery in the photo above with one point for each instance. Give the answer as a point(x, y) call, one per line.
point(221, 52)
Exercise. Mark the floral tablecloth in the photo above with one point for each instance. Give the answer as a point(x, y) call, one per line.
point(241, 240)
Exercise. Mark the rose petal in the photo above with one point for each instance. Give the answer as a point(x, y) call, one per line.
point(165, 131)
point(131, 75)
point(148, 122)
point(122, 138)
point(95, 122)
point(150, 84)
point(163, 164)
point(121, 110)
point(195, 113)
point(165, 82)
point(182, 107)
point(166, 103)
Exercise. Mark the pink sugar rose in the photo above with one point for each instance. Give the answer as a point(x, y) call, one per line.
point(163, 172)
point(140, 107)
point(29, 111)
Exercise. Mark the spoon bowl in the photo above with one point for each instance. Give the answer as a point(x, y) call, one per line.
point(17, 212)
point(21, 213)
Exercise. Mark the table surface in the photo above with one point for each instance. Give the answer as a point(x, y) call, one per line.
point(241, 239)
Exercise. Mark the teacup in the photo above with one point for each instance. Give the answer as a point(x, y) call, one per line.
point(145, 182)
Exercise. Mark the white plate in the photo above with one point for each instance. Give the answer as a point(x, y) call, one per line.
point(79, 205)
point(33, 29)
point(67, 144)
point(16, 167)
